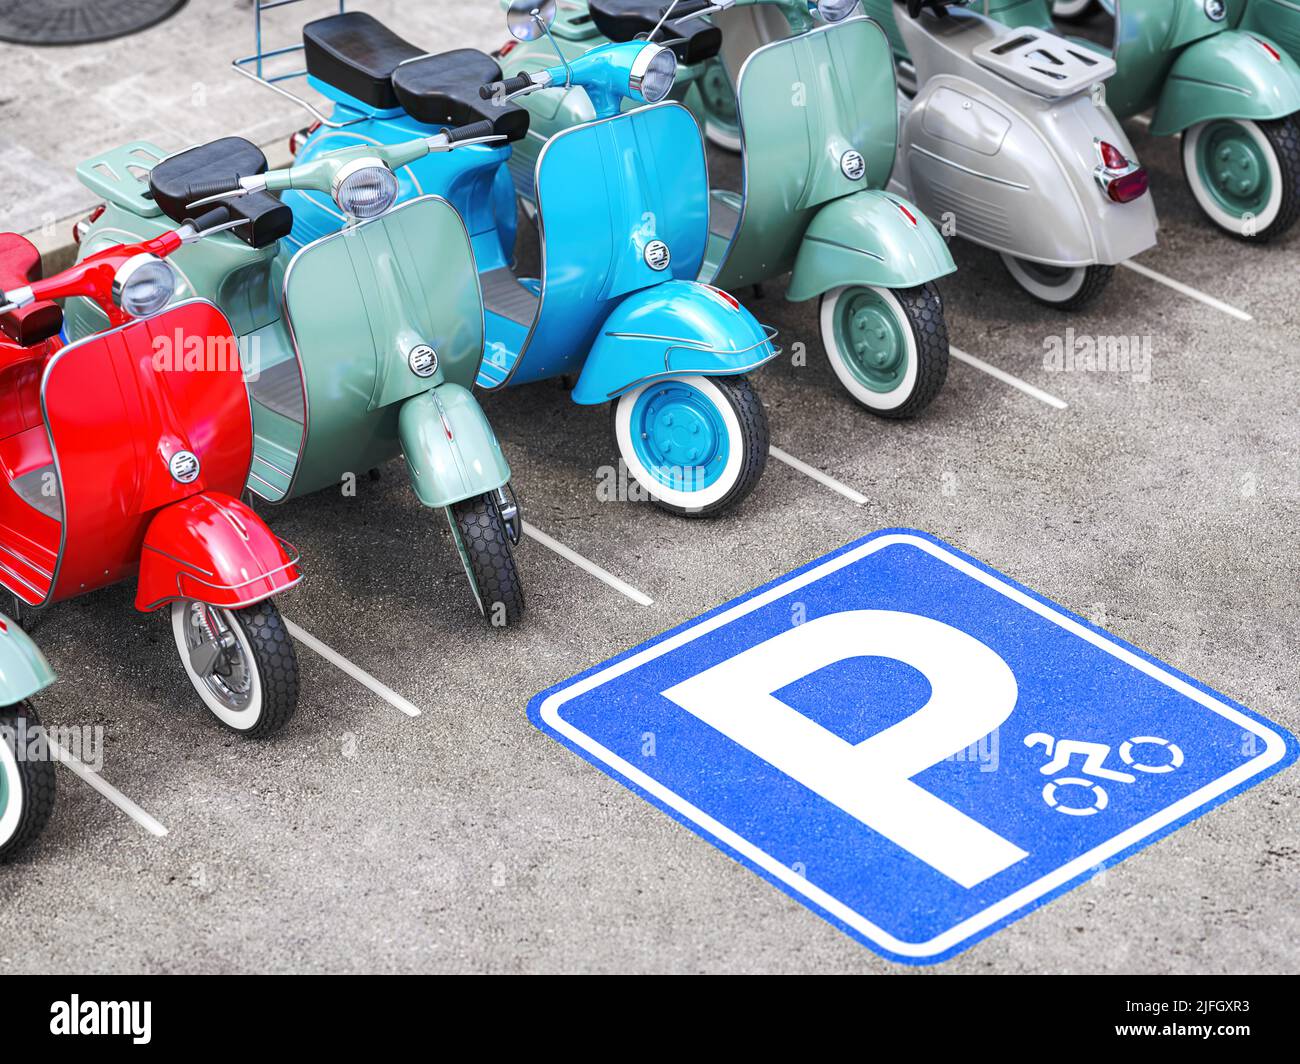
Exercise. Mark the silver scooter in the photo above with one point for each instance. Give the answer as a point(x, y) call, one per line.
point(1009, 139)
point(1005, 140)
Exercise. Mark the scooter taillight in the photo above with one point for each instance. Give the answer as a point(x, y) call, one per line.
point(79, 229)
point(298, 138)
point(1129, 187)
point(1112, 158)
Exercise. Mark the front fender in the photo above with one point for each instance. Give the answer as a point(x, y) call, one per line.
point(213, 548)
point(1229, 75)
point(23, 668)
point(674, 329)
point(450, 448)
point(871, 238)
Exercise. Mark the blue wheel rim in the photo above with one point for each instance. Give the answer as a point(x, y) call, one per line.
point(679, 436)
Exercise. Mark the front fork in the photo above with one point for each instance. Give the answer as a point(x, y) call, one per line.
point(507, 505)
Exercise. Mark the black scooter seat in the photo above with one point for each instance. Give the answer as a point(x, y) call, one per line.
point(692, 41)
point(357, 54)
point(442, 90)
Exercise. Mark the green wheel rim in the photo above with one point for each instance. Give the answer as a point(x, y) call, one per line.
point(717, 95)
point(871, 338)
point(1234, 168)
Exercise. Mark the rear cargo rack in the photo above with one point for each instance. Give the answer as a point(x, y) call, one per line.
point(1043, 63)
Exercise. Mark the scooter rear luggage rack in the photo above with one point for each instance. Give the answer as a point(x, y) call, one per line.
point(1043, 63)
point(259, 57)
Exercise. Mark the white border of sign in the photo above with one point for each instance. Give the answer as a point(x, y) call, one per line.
point(1275, 750)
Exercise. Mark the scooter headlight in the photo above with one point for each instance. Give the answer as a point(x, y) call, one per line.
point(365, 188)
point(835, 10)
point(653, 72)
point(143, 285)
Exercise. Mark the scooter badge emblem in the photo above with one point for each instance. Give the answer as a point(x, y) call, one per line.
point(423, 360)
point(852, 165)
point(1216, 10)
point(184, 467)
point(656, 255)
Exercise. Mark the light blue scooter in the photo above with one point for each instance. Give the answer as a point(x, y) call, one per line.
point(623, 214)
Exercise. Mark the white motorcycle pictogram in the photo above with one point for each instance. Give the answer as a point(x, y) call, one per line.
point(1062, 751)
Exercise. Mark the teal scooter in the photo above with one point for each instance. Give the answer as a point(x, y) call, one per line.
point(26, 764)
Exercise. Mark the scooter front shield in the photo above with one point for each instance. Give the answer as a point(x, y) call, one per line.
point(380, 312)
point(624, 206)
point(140, 417)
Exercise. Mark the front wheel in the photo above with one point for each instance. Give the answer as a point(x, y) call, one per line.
point(241, 663)
point(1061, 287)
point(888, 347)
point(1074, 10)
point(697, 445)
point(1245, 175)
point(483, 542)
point(717, 97)
point(26, 783)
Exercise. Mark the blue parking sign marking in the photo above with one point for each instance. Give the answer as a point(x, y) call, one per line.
point(909, 743)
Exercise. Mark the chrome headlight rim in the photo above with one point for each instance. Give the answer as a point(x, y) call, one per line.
point(358, 166)
point(643, 70)
point(129, 277)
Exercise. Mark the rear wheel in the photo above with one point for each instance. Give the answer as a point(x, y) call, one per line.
point(27, 786)
point(697, 445)
point(889, 348)
point(1246, 175)
point(241, 663)
point(483, 541)
point(1062, 287)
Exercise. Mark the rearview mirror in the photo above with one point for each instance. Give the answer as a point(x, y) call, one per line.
point(529, 19)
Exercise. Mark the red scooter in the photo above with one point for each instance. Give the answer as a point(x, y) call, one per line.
point(124, 454)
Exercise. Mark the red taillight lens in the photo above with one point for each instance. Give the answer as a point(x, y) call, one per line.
point(1112, 157)
point(79, 228)
point(1129, 187)
point(298, 139)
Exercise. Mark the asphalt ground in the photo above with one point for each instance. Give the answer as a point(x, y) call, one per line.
point(462, 839)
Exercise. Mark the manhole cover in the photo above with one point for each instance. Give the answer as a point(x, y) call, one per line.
point(79, 21)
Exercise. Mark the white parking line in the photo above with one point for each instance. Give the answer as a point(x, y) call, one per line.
point(817, 475)
point(589, 566)
point(1187, 290)
point(1007, 378)
point(355, 671)
point(97, 782)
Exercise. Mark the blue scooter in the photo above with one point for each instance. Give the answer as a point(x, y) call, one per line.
point(623, 212)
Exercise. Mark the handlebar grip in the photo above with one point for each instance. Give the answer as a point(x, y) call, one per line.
point(213, 216)
point(203, 189)
point(469, 132)
point(519, 81)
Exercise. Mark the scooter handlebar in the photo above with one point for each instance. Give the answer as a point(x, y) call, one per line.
point(496, 89)
point(473, 131)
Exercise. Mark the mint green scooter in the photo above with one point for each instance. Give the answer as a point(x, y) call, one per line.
point(26, 765)
point(363, 345)
point(1214, 74)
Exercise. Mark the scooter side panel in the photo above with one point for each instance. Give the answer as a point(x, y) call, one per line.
point(23, 668)
point(1279, 20)
point(606, 191)
point(1229, 75)
point(804, 103)
point(118, 406)
point(450, 449)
